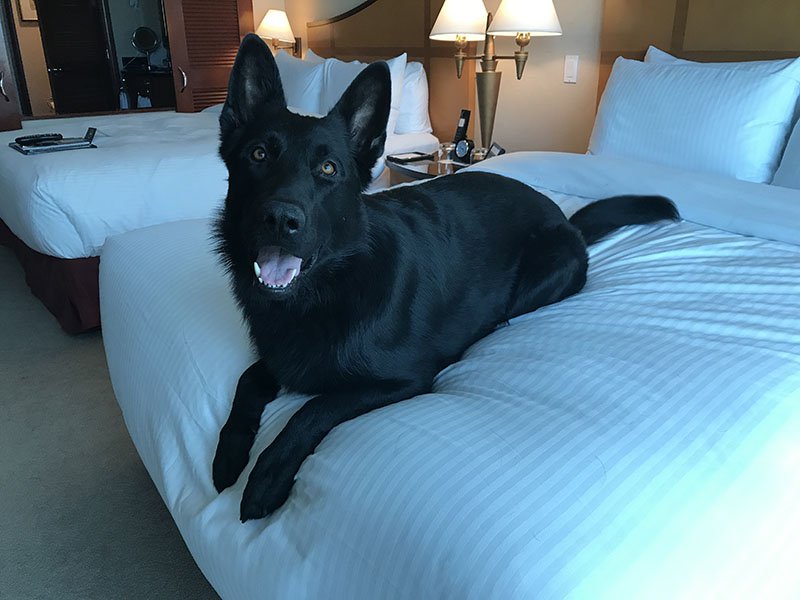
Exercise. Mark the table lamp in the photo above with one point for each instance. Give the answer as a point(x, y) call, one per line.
point(463, 21)
point(276, 30)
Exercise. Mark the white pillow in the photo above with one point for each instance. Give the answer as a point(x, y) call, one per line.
point(765, 67)
point(726, 121)
point(339, 74)
point(414, 116)
point(302, 82)
point(313, 58)
point(788, 173)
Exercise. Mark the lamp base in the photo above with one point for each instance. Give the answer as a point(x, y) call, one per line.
point(488, 83)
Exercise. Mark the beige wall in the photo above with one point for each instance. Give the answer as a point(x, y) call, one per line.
point(301, 12)
point(540, 112)
point(33, 63)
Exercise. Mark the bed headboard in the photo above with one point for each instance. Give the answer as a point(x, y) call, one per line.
point(378, 29)
point(704, 30)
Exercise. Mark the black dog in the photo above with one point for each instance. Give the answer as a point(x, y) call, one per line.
point(363, 299)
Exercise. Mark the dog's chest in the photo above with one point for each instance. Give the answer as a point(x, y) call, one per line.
point(314, 357)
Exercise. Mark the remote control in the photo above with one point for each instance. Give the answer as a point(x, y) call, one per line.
point(38, 138)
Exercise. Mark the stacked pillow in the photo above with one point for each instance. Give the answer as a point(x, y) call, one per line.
point(302, 83)
point(654, 55)
point(313, 86)
point(788, 173)
point(414, 117)
point(726, 118)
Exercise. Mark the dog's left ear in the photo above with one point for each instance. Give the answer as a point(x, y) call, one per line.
point(365, 106)
point(254, 85)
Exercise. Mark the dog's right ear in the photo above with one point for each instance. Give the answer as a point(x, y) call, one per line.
point(365, 107)
point(254, 85)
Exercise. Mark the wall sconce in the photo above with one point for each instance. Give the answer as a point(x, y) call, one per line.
point(277, 32)
point(463, 21)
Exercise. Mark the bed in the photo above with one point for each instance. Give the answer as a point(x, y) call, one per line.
point(640, 439)
point(57, 210)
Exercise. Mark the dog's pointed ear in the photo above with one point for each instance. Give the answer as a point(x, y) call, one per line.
point(365, 106)
point(254, 84)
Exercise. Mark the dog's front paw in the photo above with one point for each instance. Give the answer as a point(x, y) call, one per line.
point(233, 452)
point(269, 484)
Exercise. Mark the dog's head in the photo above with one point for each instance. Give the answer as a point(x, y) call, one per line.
point(294, 186)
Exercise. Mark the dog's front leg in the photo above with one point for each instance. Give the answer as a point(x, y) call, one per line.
point(273, 476)
point(255, 389)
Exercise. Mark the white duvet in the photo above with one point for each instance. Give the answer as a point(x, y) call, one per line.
point(148, 168)
point(638, 440)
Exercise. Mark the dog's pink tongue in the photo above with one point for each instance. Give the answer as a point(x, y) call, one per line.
point(277, 266)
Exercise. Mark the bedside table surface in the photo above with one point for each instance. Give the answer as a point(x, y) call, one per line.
point(425, 169)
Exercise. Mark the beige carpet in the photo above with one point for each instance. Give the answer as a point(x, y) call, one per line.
point(79, 516)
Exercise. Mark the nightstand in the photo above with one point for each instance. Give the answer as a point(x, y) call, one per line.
point(423, 169)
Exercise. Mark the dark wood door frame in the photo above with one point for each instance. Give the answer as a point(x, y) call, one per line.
point(111, 46)
point(10, 117)
point(15, 57)
point(202, 56)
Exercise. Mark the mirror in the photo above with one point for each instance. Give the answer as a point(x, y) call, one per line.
point(145, 40)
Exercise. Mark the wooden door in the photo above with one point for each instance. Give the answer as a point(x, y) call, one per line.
point(204, 37)
point(10, 117)
point(77, 55)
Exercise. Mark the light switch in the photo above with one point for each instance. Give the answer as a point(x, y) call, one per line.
point(571, 68)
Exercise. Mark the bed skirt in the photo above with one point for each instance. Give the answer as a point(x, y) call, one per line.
point(68, 287)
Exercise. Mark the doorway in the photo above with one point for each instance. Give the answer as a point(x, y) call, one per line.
point(93, 55)
point(75, 44)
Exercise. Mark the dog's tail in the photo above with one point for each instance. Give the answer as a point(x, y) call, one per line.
point(600, 218)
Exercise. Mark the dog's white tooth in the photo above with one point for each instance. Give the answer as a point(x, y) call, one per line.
point(257, 269)
point(293, 274)
point(261, 281)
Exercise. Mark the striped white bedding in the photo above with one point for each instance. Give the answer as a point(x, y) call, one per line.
point(148, 168)
point(638, 440)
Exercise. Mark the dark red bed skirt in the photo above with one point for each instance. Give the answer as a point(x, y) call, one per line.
point(68, 287)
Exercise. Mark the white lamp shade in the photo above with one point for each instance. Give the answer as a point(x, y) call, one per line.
point(537, 17)
point(464, 18)
point(275, 25)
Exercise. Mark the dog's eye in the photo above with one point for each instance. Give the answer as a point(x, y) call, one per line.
point(328, 168)
point(258, 153)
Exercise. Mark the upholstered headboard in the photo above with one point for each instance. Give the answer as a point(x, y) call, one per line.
point(379, 29)
point(704, 30)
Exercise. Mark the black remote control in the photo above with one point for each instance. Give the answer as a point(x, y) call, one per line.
point(38, 138)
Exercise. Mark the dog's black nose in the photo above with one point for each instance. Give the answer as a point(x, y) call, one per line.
point(285, 218)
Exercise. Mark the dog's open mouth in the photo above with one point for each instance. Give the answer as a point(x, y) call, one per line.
point(275, 268)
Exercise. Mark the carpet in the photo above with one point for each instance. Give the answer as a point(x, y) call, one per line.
point(79, 516)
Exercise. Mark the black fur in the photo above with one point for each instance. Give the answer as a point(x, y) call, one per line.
point(393, 287)
point(601, 218)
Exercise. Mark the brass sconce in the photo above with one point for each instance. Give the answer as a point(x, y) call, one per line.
point(463, 21)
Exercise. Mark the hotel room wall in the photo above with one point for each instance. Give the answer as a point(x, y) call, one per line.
point(704, 30)
point(36, 78)
point(541, 112)
point(538, 113)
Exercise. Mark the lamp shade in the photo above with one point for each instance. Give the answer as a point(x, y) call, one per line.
point(536, 17)
point(464, 18)
point(275, 25)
